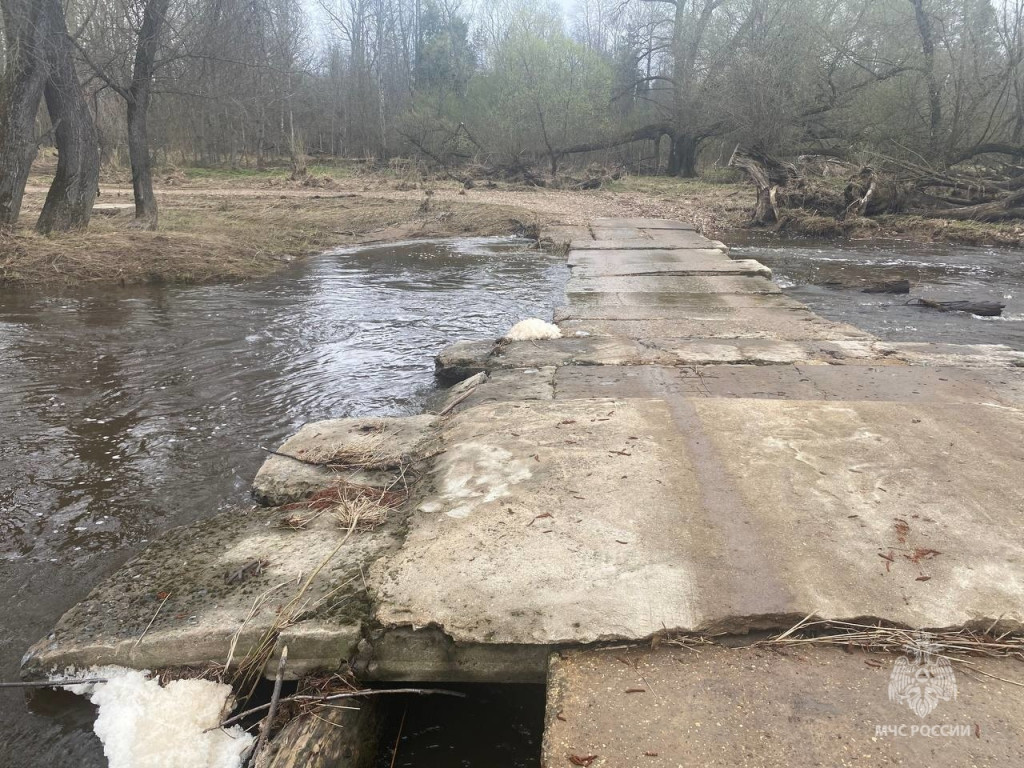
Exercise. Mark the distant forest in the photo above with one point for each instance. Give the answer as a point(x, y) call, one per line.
point(653, 86)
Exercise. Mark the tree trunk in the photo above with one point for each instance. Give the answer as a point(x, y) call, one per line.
point(21, 91)
point(768, 175)
point(138, 112)
point(69, 203)
point(682, 159)
point(146, 212)
point(1004, 209)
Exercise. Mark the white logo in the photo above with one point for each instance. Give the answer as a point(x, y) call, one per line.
point(922, 678)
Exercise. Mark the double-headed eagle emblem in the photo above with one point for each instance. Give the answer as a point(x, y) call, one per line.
point(922, 679)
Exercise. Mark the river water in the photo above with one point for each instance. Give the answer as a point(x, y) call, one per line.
point(126, 412)
point(830, 278)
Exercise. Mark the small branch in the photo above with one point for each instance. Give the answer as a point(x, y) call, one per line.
point(337, 696)
point(54, 683)
point(158, 609)
point(274, 700)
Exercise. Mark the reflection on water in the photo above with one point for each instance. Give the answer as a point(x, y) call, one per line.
point(123, 413)
point(829, 277)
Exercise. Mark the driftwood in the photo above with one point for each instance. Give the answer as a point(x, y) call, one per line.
point(902, 187)
point(328, 738)
point(769, 177)
point(981, 308)
point(889, 286)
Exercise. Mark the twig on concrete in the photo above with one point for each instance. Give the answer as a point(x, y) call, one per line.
point(158, 609)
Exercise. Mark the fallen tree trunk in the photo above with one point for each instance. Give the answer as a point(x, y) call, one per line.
point(981, 308)
point(1004, 209)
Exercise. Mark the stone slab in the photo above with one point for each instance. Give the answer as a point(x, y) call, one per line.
point(669, 284)
point(465, 359)
point(617, 233)
point(387, 442)
point(604, 306)
point(661, 240)
point(963, 355)
point(642, 257)
point(783, 325)
point(519, 541)
point(644, 223)
point(908, 384)
point(607, 519)
point(188, 584)
point(772, 707)
point(676, 268)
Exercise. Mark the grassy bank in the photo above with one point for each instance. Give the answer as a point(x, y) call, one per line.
point(211, 235)
point(224, 224)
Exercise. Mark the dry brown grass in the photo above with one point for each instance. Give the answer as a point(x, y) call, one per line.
point(209, 235)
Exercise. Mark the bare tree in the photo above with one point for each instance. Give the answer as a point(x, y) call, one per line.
point(25, 28)
point(69, 203)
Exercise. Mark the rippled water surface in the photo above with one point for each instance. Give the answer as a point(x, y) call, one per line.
point(126, 412)
point(829, 277)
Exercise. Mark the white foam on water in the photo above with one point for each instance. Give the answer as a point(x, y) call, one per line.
point(145, 725)
point(533, 330)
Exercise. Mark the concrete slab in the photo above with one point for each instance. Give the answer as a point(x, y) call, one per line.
point(847, 502)
point(617, 233)
point(652, 240)
point(362, 451)
point(602, 519)
point(783, 325)
point(908, 384)
point(770, 708)
point(548, 523)
point(224, 581)
point(644, 223)
point(669, 284)
point(603, 306)
point(465, 359)
point(640, 256)
point(562, 236)
point(772, 352)
point(677, 268)
point(502, 385)
point(963, 355)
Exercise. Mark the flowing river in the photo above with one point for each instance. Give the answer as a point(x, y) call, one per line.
point(126, 412)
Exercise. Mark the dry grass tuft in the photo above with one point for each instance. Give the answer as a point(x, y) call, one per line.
point(876, 638)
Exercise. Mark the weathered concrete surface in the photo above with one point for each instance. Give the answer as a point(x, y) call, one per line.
point(662, 240)
point(193, 585)
point(667, 306)
point(780, 324)
point(669, 284)
point(799, 381)
point(536, 527)
point(769, 708)
point(674, 268)
point(591, 519)
point(645, 257)
point(643, 224)
point(370, 452)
